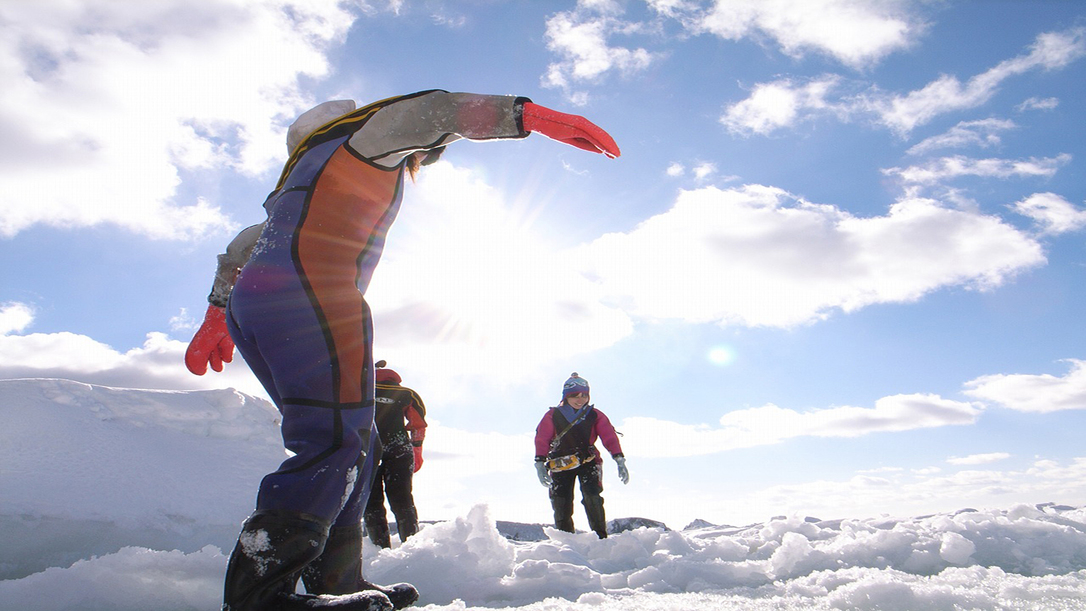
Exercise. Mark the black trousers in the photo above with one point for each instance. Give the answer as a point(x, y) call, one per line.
point(392, 480)
point(590, 477)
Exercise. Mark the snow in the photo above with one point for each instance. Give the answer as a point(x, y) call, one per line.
point(126, 499)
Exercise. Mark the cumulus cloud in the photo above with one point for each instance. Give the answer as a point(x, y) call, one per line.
point(856, 33)
point(158, 363)
point(1038, 393)
point(770, 424)
point(15, 316)
point(128, 97)
point(582, 40)
point(783, 103)
point(1052, 213)
point(759, 256)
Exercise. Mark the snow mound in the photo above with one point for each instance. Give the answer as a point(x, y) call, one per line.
point(89, 469)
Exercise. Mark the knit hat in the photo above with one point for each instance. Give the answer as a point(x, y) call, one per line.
point(315, 117)
point(385, 375)
point(574, 384)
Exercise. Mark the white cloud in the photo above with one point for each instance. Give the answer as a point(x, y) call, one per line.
point(704, 170)
point(1050, 51)
point(776, 105)
point(983, 133)
point(581, 38)
point(785, 103)
point(758, 256)
point(917, 493)
point(978, 459)
point(770, 424)
point(945, 168)
point(14, 317)
point(159, 363)
point(857, 33)
point(1053, 213)
point(1039, 393)
point(1035, 103)
point(118, 100)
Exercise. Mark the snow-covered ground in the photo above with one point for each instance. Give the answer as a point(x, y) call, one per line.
point(125, 499)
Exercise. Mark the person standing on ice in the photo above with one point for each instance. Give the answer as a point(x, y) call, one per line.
point(565, 452)
point(289, 293)
point(399, 459)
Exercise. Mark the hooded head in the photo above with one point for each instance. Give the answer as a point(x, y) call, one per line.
point(315, 117)
point(385, 375)
point(574, 384)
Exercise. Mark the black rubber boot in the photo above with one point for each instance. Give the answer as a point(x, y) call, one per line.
point(597, 520)
point(563, 513)
point(377, 528)
point(338, 570)
point(272, 550)
point(407, 522)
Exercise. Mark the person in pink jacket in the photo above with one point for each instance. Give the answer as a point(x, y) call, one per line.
point(565, 452)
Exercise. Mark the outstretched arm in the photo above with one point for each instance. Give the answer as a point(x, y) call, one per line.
point(431, 119)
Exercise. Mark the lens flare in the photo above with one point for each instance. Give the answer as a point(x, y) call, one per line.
point(721, 356)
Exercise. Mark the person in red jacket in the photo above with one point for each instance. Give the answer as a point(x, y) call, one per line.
point(289, 293)
point(400, 457)
point(565, 452)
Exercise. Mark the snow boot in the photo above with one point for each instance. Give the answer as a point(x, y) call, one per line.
point(271, 552)
point(407, 522)
point(563, 513)
point(597, 520)
point(377, 528)
point(338, 570)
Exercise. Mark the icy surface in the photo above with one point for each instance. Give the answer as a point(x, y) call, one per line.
point(125, 499)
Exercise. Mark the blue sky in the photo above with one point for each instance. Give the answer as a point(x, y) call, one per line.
point(837, 270)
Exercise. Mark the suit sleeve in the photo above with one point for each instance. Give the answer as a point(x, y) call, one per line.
point(230, 263)
point(415, 413)
point(433, 119)
point(544, 433)
point(606, 432)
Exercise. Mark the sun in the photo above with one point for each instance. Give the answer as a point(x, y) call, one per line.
point(721, 356)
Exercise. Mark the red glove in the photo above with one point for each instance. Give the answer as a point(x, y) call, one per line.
point(418, 458)
point(573, 130)
point(211, 344)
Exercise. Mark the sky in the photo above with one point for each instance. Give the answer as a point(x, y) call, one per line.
point(836, 268)
point(155, 532)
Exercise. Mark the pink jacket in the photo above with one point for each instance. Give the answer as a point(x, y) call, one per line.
point(602, 429)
